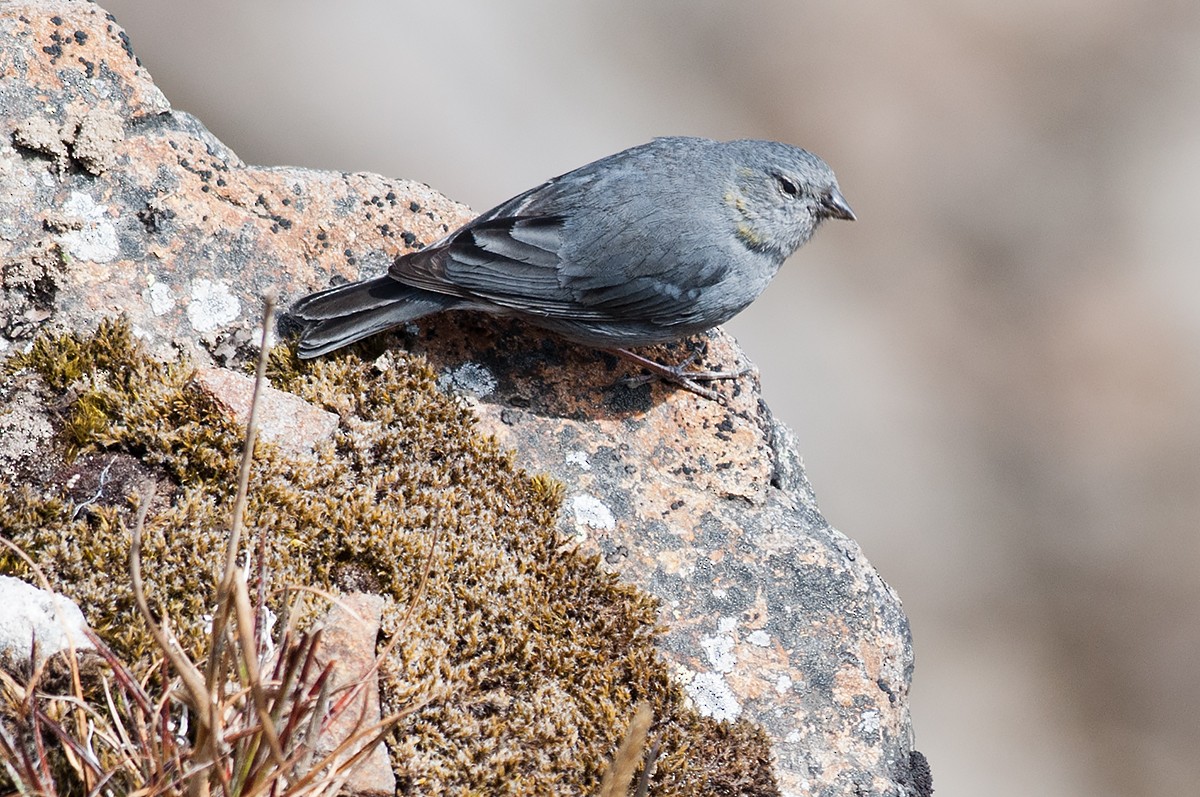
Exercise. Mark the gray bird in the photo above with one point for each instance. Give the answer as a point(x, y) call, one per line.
point(646, 246)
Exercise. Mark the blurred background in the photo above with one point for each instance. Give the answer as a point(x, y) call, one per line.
point(994, 374)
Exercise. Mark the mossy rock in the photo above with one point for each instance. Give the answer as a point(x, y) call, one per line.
point(518, 665)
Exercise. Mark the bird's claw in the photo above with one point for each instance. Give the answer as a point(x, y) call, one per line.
point(679, 374)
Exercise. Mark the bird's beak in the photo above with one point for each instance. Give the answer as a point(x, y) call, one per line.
point(836, 206)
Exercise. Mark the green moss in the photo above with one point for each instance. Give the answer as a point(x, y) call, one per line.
point(65, 359)
point(520, 663)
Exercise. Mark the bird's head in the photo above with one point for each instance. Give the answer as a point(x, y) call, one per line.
point(780, 194)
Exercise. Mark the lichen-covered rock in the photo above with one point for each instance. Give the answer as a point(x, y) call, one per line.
point(771, 613)
point(112, 203)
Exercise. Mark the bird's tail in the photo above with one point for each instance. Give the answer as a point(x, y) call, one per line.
point(339, 316)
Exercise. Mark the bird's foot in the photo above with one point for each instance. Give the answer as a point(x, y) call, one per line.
point(680, 374)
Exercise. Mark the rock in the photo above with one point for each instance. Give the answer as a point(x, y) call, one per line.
point(25, 433)
point(28, 614)
point(350, 629)
point(771, 613)
point(285, 420)
point(114, 203)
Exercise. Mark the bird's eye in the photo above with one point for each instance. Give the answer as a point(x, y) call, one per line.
point(787, 186)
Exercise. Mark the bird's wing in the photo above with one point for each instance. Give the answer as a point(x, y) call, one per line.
point(512, 262)
point(518, 255)
point(516, 263)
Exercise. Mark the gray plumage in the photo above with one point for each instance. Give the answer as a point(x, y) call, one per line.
point(646, 246)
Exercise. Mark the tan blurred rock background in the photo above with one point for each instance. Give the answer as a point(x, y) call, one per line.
point(994, 374)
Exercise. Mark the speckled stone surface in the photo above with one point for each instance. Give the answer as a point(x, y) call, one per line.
point(110, 202)
point(770, 612)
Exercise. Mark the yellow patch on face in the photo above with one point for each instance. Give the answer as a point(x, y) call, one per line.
point(737, 201)
point(748, 235)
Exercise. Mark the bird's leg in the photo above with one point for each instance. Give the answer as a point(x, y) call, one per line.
point(679, 374)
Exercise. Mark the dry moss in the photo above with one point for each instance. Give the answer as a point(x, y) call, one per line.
point(525, 660)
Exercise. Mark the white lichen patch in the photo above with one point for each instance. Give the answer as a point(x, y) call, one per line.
point(471, 378)
point(759, 638)
point(159, 296)
point(211, 306)
point(590, 511)
point(719, 652)
point(712, 697)
point(579, 459)
point(868, 722)
point(783, 684)
point(95, 236)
